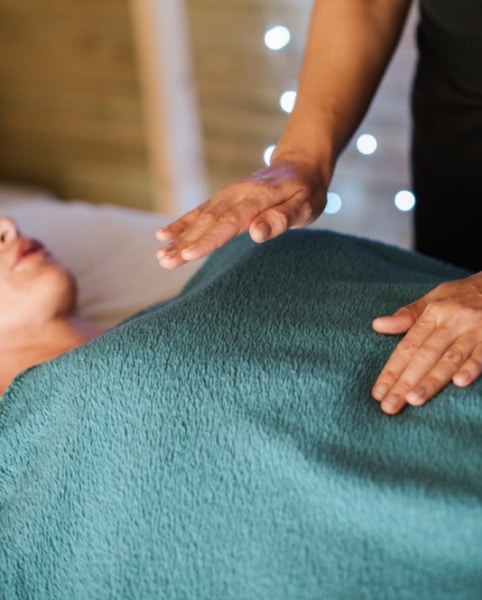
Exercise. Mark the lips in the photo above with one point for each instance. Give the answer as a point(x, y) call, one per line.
point(27, 247)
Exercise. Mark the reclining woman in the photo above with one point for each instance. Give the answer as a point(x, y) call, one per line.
point(37, 305)
point(39, 321)
point(223, 444)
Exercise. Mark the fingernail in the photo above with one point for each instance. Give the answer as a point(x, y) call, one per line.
point(189, 249)
point(167, 252)
point(379, 391)
point(415, 397)
point(391, 405)
point(462, 378)
point(379, 322)
point(263, 230)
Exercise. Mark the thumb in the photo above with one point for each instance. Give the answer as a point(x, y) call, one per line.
point(401, 320)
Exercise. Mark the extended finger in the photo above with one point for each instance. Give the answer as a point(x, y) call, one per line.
point(238, 201)
point(430, 368)
point(401, 320)
point(176, 228)
point(442, 373)
point(471, 369)
point(402, 355)
point(204, 214)
point(201, 241)
point(212, 228)
point(436, 348)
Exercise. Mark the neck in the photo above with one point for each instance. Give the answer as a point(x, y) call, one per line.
point(42, 342)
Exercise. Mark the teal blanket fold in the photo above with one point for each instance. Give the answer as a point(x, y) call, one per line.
point(224, 445)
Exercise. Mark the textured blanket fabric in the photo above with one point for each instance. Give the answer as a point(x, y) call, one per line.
point(224, 445)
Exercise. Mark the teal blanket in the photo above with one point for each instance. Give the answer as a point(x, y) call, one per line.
point(224, 445)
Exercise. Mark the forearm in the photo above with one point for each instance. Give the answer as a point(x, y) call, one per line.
point(349, 45)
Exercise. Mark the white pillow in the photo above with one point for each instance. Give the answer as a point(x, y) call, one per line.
point(110, 249)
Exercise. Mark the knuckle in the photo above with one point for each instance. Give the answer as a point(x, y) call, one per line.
point(476, 364)
point(444, 289)
point(388, 377)
point(465, 312)
point(279, 220)
point(455, 356)
point(230, 218)
point(429, 316)
point(453, 311)
point(432, 383)
point(427, 353)
point(206, 218)
point(401, 389)
point(307, 211)
point(406, 346)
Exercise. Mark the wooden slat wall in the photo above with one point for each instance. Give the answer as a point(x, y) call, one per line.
point(92, 113)
point(173, 129)
point(71, 115)
point(72, 111)
point(239, 81)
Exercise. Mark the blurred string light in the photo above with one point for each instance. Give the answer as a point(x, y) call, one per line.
point(287, 100)
point(267, 154)
point(333, 204)
point(277, 37)
point(405, 200)
point(366, 144)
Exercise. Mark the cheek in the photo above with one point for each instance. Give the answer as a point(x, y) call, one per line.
point(11, 288)
point(14, 301)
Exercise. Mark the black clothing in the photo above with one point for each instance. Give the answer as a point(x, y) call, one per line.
point(447, 136)
point(457, 16)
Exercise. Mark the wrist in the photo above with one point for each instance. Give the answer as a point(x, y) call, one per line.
point(313, 151)
point(317, 169)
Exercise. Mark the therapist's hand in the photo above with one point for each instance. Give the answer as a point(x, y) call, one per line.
point(443, 343)
point(270, 201)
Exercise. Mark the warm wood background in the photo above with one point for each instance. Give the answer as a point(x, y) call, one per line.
point(71, 118)
point(71, 109)
point(239, 81)
point(74, 116)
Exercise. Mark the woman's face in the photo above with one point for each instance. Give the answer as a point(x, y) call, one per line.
point(33, 285)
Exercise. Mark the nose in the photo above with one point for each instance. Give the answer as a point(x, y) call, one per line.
point(8, 231)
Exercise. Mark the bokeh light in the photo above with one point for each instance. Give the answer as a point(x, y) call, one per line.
point(366, 144)
point(405, 200)
point(267, 154)
point(334, 203)
point(277, 37)
point(287, 100)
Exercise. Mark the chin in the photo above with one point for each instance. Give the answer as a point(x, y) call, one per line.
point(67, 293)
point(54, 292)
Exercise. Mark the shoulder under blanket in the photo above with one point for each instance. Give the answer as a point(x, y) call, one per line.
point(225, 445)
